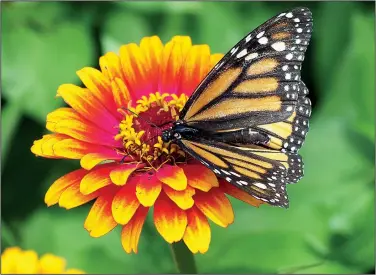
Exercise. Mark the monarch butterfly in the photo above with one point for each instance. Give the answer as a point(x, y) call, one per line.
point(249, 117)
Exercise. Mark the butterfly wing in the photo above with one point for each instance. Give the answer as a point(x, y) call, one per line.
point(253, 83)
point(289, 135)
point(263, 173)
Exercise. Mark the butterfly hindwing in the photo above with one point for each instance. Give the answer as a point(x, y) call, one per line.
point(252, 84)
point(289, 135)
point(263, 173)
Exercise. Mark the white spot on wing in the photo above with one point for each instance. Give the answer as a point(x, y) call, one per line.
point(224, 171)
point(263, 40)
point(279, 46)
point(289, 15)
point(234, 50)
point(289, 56)
point(260, 185)
point(260, 34)
point(242, 53)
point(251, 56)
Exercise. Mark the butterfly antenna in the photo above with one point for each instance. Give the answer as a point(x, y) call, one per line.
point(144, 119)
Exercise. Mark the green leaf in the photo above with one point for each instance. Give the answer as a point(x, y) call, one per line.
point(330, 42)
point(10, 120)
point(40, 52)
point(357, 226)
point(179, 8)
point(351, 93)
point(122, 27)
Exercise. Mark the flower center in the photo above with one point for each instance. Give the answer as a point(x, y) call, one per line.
point(142, 127)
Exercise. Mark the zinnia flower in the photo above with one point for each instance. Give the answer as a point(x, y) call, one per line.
point(113, 126)
point(17, 261)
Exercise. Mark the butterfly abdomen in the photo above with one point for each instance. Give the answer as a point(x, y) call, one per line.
point(242, 136)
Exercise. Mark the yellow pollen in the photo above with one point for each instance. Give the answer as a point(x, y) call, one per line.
point(154, 151)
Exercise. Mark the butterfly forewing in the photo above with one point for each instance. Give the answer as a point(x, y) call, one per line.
point(253, 83)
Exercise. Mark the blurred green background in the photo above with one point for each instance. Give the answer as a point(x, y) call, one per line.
point(329, 227)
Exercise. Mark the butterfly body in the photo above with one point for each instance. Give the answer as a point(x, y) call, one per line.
point(249, 117)
point(181, 130)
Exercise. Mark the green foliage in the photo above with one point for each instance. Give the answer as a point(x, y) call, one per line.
point(329, 227)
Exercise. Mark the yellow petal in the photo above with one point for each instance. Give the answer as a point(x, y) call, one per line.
point(173, 176)
point(183, 198)
point(100, 221)
point(130, 235)
point(169, 219)
point(216, 206)
point(198, 234)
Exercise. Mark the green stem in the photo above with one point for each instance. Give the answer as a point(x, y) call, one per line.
point(183, 258)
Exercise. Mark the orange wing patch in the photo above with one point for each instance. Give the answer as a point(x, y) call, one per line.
point(214, 90)
point(238, 106)
point(280, 35)
point(231, 154)
point(205, 154)
point(258, 85)
point(265, 65)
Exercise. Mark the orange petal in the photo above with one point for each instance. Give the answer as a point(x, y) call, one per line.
point(195, 68)
point(51, 264)
point(99, 86)
point(148, 189)
point(43, 147)
point(214, 59)
point(74, 149)
point(87, 105)
point(183, 199)
point(133, 63)
point(91, 160)
point(111, 66)
point(173, 57)
point(125, 203)
point(57, 188)
point(216, 206)
point(198, 234)
point(72, 197)
point(100, 221)
point(97, 178)
point(185, 44)
point(121, 92)
point(120, 174)
point(239, 194)
point(67, 121)
point(173, 176)
point(130, 235)
point(169, 219)
point(152, 48)
point(200, 177)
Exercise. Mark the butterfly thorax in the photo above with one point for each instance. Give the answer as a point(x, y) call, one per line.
point(180, 130)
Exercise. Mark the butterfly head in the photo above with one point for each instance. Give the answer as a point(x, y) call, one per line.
point(168, 135)
point(177, 131)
